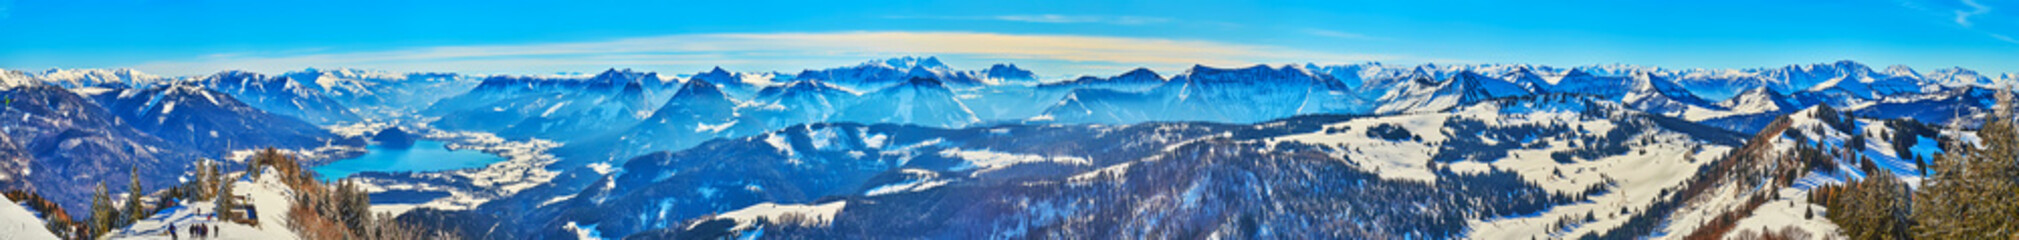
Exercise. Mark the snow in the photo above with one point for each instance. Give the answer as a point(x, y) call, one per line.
point(985, 160)
point(715, 128)
point(1399, 160)
point(875, 140)
point(1640, 178)
point(16, 222)
point(269, 198)
point(918, 180)
point(1787, 210)
point(777, 141)
point(812, 215)
point(584, 231)
point(907, 186)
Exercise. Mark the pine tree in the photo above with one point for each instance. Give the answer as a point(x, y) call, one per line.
point(224, 201)
point(102, 213)
point(1970, 194)
point(134, 210)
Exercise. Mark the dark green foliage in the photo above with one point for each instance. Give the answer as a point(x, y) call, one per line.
point(103, 216)
point(1971, 192)
point(134, 210)
point(1872, 208)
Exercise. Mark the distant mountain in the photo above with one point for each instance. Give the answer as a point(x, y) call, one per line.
point(1958, 77)
point(551, 108)
point(189, 114)
point(1968, 104)
point(1658, 95)
point(1203, 93)
point(1009, 73)
point(279, 95)
point(1428, 95)
point(1137, 80)
point(398, 92)
point(921, 101)
point(77, 78)
point(1504, 162)
point(802, 102)
point(698, 112)
point(75, 144)
point(1747, 112)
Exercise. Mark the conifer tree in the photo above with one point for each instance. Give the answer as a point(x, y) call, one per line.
point(134, 210)
point(1970, 193)
point(102, 213)
point(224, 200)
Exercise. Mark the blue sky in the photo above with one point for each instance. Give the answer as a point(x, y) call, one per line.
point(1051, 37)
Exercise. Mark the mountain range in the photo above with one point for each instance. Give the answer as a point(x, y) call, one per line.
point(912, 147)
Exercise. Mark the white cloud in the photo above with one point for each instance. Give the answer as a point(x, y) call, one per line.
point(776, 51)
point(1963, 17)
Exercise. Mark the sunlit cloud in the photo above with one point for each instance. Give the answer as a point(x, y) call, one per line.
point(1052, 18)
point(1049, 54)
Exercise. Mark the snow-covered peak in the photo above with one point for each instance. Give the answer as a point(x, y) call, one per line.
point(627, 75)
point(909, 62)
point(74, 78)
point(348, 73)
point(1957, 76)
point(10, 79)
point(1901, 71)
point(1010, 73)
point(1760, 99)
point(1260, 73)
point(1423, 94)
point(699, 89)
point(1574, 74)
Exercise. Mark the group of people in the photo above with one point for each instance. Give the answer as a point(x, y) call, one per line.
point(196, 231)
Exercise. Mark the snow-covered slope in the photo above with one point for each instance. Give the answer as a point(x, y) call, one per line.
point(16, 222)
point(266, 195)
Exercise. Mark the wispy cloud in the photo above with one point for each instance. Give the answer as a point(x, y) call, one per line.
point(1337, 34)
point(2002, 37)
point(1052, 18)
point(1967, 14)
point(777, 51)
point(1974, 9)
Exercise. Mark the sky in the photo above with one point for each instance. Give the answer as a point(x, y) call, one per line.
point(1053, 38)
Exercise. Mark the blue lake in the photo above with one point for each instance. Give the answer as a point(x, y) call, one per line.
point(424, 156)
